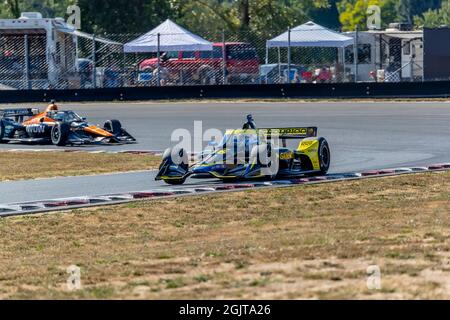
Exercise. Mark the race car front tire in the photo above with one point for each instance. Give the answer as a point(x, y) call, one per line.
point(324, 156)
point(263, 154)
point(181, 158)
point(178, 160)
point(60, 134)
point(114, 127)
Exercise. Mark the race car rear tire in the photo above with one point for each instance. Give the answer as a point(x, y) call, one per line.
point(113, 126)
point(324, 156)
point(60, 134)
point(2, 131)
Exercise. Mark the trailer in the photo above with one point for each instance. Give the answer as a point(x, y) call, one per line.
point(391, 55)
point(44, 53)
point(36, 52)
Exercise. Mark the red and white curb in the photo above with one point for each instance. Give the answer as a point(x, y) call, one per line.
point(137, 152)
point(18, 209)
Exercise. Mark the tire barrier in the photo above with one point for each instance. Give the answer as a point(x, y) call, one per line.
point(18, 209)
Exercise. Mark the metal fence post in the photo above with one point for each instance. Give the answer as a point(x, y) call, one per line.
point(94, 64)
point(27, 63)
point(159, 61)
point(279, 64)
point(267, 53)
point(224, 58)
point(288, 80)
point(355, 55)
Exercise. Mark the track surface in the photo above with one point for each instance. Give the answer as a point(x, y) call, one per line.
point(362, 136)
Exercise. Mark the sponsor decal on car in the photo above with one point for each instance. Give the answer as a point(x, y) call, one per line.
point(35, 129)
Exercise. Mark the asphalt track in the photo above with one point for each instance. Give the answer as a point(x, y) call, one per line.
point(362, 135)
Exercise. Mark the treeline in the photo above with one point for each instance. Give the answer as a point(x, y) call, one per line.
point(261, 18)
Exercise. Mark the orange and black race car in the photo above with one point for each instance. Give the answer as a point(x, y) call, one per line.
point(58, 127)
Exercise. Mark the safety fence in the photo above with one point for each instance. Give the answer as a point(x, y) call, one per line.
point(66, 61)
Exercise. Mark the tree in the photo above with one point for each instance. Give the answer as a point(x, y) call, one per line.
point(327, 16)
point(260, 17)
point(407, 9)
point(404, 11)
point(122, 16)
point(48, 8)
point(353, 13)
point(13, 8)
point(435, 18)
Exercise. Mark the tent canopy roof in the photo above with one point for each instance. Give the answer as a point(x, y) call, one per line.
point(172, 38)
point(311, 34)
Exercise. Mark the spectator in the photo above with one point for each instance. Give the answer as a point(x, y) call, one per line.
point(163, 75)
point(164, 57)
point(339, 72)
point(324, 75)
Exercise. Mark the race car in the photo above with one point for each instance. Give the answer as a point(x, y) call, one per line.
point(248, 154)
point(60, 128)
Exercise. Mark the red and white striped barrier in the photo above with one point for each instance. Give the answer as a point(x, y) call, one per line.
point(90, 201)
point(137, 152)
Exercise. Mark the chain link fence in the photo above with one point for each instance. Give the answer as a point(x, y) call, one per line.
point(66, 61)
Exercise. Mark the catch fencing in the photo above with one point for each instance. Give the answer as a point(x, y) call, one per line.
point(66, 61)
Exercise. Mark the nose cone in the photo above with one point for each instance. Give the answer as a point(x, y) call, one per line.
point(219, 168)
point(98, 132)
point(201, 169)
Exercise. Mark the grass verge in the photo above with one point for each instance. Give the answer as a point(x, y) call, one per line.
point(31, 165)
point(300, 242)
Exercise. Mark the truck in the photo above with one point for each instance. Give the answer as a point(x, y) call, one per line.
point(240, 66)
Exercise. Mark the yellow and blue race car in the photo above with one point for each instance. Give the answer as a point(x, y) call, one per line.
point(248, 154)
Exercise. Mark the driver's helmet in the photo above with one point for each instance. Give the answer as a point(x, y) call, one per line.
point(52, 106)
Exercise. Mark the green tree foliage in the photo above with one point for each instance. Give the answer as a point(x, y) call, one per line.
point(404, 10)
point(328, 16)
point(407, 9)
point(122, 16)
point(353, 13)
point(48, 8)
point(262, 17)
point(420, 6)
point(435, 18)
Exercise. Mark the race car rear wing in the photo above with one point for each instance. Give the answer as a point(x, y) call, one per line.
point(290, 133)
point(20, 112)
point(282, 133)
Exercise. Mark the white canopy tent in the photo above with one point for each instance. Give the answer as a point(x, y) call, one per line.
point(309, 34)
point(168, 36)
